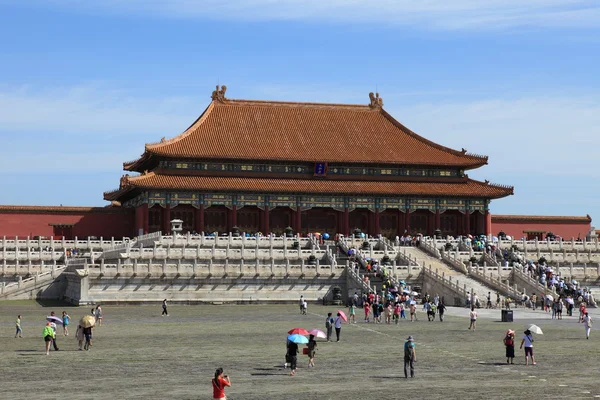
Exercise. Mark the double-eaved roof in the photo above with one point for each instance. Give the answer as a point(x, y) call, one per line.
point(272, 132)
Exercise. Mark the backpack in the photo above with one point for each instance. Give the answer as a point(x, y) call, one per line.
point(409, 351)
point(328, 323)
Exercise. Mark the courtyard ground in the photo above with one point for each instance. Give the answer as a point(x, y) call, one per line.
point(137, 353)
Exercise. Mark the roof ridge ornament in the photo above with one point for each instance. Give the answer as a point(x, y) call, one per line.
point(219, 94)
point(376, 101)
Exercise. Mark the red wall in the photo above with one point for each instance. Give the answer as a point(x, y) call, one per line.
point(566, 230)
point(93, 223)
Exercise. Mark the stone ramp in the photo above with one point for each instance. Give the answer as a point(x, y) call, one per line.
point(426, 261)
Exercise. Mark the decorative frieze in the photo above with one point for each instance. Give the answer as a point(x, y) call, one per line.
point(317, 169)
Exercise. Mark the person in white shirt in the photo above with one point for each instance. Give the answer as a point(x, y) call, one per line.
point(528, 342)
point(473, 317)
point(587, 323)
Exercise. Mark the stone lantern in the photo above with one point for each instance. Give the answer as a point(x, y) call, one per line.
point(176, 226)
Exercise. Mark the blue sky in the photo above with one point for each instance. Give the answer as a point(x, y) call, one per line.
point(84, 84)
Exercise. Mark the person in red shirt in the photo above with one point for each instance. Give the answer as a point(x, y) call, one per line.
point(219, 384)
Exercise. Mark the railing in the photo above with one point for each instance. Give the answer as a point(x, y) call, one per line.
point(21, 284)
point(449, 283)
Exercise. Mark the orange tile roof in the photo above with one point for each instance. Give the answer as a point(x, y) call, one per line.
point(211, 183)
point(541, 218)
point(307, 132)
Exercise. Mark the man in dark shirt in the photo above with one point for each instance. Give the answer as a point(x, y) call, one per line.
point(293, 357)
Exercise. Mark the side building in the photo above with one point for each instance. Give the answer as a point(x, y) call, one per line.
point(263, 166)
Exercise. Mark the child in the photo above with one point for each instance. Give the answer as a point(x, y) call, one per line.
point(367, 308)
point(352, 313)
point(65, 319)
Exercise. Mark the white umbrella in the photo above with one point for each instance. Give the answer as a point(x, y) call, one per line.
point(413, 302)
point(414, 294)
point(549, 297)
point(535, 329)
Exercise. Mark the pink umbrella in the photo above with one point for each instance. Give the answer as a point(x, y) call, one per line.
point(318, 334)
point(343, 315)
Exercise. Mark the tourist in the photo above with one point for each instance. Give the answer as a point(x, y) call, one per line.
point(218, 383)
point(329, 326)
point(367, 308)
point(528, 342)
point(441, 309)
point(164, 308)
point(388, 313)
point(87, 333)
point(53, 326)
point(301, 303)
point(304, 307)
point(410, 357)
point(352, 313)
point(559, 308)
point(587, 323)
point(402, 313)
point(379, 310)
point(65, 319)
point(48, 334)
point(19, 332)
point(533, 301)
point(355, 299)
point(582, 311)
point(79, 336)
point(489, 300)
point(473, 317)
point(509, 343)
point(312, 348)
point(99, 315)
point(413, 311)
point(292, 356)
point(397, 313)
point(338, 326)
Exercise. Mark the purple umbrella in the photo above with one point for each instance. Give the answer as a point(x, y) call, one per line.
point(52, 318)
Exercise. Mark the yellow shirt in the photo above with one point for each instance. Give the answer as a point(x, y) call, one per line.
point(48, 331)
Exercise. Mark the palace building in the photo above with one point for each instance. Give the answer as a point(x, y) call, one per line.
point(263, 166)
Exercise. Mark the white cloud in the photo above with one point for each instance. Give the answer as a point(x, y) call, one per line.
point(430, 14)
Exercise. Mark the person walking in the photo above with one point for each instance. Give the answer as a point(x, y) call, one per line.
point(410, 357)
point(19, 331)
point(441, 309)
point(53, 326)
point(312, 349)
point(65, 319)
point(329, 326)
point(80, 337)
point(413, 312)
point(48, 334)
point(219, 383)
point(587, 323)
point(352, 314)
point(528, 342)
point(292, 353)
point(164, 308)
point(87, 333)
point(473, 317)
point(99, 315)
point(367, 308)
point(338, 326)
point(301, 303)
point(509, 343)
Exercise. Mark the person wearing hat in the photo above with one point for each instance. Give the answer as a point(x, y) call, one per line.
point(509, 342)
point(410, 356)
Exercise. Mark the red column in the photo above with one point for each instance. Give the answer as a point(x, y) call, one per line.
point(139, 220)
point(298, 220)
point(400, 224)
point(233, 217)
point(467, 222)
point(199, 222)
point(166, 219)
point(377, 230)
point(346, 222)
point(488, 223)
point(407, 221)
point(146, 217)
point(266, 220)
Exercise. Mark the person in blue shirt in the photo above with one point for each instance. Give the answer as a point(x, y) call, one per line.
point(65, 319)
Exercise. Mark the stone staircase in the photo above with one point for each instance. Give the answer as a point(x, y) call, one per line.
point(427, 260)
